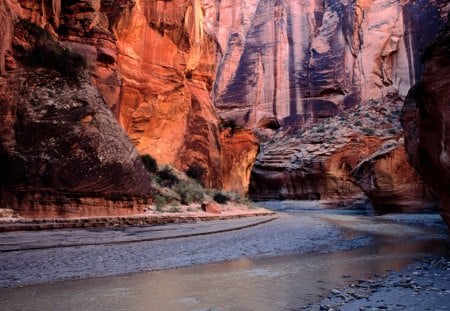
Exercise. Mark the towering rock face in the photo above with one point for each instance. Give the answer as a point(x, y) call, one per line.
point(154, 65)
point(426, 121)
point(286, 62)
point(167, 65)
point(62, 150)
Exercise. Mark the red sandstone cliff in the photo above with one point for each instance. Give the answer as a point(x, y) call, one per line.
point(271, 65)
point(426, 121)
point(150, 62)
point(294, 61)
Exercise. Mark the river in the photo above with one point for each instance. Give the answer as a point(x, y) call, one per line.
point(283, 264)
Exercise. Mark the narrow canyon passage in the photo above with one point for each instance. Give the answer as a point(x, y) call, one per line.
point(282, 264)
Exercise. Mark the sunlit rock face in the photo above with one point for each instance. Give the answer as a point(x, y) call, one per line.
point(239, 150)
point(390, 183)
point(295, 61)
point(426, 121)
point(167, 66)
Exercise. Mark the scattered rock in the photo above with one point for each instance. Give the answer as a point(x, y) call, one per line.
point(211, 207)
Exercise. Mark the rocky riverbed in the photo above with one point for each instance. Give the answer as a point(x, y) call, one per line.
point(423, 285)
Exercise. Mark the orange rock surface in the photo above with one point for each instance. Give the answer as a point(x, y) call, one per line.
point(167, 66)
point(390, 183)
point(239, 150)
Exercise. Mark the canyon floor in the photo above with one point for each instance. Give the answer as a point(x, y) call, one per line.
point(303, 257)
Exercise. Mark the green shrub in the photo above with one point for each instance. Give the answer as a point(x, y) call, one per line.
point(196, 171)
point(166, 177)
point(368, 131)
point(160, 202)
point(150, 163)
point(174, 209)
point(221, 198)
point(189, 192)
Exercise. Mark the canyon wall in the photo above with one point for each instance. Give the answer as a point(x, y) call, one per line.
point(147, 64)
point(62, 150)
point(287, 62)
point(322, 84)
point(167, 63)
point(426, 121)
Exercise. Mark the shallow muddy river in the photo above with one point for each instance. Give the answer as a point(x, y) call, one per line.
point(284, 282)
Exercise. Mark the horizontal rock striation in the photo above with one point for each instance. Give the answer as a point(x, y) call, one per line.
point(342, 159)
point(426, 121)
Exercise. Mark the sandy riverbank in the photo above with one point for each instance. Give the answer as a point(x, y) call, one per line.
point(184, 214)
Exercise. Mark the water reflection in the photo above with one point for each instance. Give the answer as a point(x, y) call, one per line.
point(281, 283)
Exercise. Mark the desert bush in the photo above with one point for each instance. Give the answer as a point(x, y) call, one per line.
point(174, 209)
point(46, 52)
point(221, 198)
point(160, 202)
point(150, 163)
point(196, 171)
point(357, 123)
point(167, 177)
point(189, 192)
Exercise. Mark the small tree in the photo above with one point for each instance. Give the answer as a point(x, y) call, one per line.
point(150, 163)
point(167, 178)
point(221, 198)
point(196, 171)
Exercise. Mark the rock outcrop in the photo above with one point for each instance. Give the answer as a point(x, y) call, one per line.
point(426, 121)
point(339, 160)
point(296, 61)
point(62, 150)
point(167, 63)
point(322, 82)
point(239, 150)
point(390, 183)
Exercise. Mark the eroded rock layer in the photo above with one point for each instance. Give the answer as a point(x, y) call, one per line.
point(62, 150)
point(426, 121)
point(239, 150)
point(294, 61)
point(390, 183)
point(320, 162)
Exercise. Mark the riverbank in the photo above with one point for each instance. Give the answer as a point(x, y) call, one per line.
point(228, 211)
point(423, 285)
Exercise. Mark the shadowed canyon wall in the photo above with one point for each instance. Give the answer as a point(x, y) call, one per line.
point(426, 121)
point(293, 61)
point(322, 83)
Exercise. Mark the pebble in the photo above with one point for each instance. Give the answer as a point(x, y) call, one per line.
point(336, 292)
